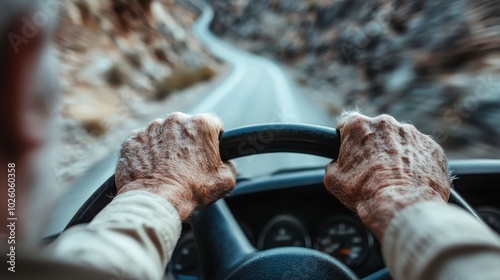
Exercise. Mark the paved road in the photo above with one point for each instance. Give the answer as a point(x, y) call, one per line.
point(255, 92)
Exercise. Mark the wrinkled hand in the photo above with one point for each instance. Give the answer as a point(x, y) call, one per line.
point(385, 166)
point(178, 159)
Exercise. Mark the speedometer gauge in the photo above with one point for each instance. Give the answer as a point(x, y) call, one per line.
point(346, 240)
point(284, 231)
point(184, 260)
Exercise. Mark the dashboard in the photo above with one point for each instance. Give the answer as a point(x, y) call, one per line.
point(295, 209)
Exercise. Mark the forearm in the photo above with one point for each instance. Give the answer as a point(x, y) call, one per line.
point(379, 210)
point(433, 240)
point(133, 236)
point(179, 197)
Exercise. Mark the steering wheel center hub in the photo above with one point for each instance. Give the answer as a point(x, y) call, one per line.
point(290, 263)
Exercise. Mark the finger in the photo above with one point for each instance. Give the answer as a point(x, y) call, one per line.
point(353, 125)
point(384, 122)
point(121, 174)
point(155, 127)
point(335, 184)
point(330, 175)
point(232, 165)
point(353, 128)
point(225, 180)
point(176, 118)
point(348, 117)
point(228, 178)
point(208, 124)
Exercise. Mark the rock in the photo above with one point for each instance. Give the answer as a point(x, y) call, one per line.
point(420, 61)
point(113, 54)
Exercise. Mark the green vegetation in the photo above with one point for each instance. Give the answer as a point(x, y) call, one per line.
point(84, 9)
point(134, 59)
point(145, 4)
point(301, 80)
point(183, 78)
point(334, 109)
point(161, 55)
point(95, 127)
point(116, 76)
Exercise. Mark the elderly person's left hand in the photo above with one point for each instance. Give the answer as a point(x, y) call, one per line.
point(178, 159)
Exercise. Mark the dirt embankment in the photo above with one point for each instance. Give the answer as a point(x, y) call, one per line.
point(123, 63)
point(435, 63)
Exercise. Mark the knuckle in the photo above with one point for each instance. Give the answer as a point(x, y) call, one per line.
point(356, 123)
point(208, 123)
point(440, 153)
point(358, 118)
point(198, 120)
point(229, 182)
point(349, 117)
point(176, 117)
point(210, 119)
point(330, 175)
point(155, 125)
point(124, 149)
point(328, 181)
point(135, 134)
point(385, 120)
point(130, 144)
point(410, 128)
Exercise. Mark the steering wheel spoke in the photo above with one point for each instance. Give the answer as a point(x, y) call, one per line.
point(221, 243)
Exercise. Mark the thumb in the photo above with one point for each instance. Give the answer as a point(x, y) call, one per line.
point(336, 183)
point(331, 174)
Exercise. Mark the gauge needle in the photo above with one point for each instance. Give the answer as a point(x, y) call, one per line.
point(345, 251)
point(332, 248)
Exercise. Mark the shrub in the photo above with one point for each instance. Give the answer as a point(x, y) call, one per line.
point(84, 9)
point(145, 5)
point(134, 59)
point(161, 55)
point(183, 78)
point(115, 75)
point(95, 127)
point(334, 110)
point(301, 80)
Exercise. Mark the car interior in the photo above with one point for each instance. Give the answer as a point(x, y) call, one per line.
point(293, 208)
point(287, 224)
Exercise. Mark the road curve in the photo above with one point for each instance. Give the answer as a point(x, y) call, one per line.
point(255, 92)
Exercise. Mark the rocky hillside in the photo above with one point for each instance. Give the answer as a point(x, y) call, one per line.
point(122, 63)
point(434, 63)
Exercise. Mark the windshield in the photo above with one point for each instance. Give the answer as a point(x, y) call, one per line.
point(430, 63)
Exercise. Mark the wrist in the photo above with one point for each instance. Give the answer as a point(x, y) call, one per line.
point(180, 198)
point(378, 211)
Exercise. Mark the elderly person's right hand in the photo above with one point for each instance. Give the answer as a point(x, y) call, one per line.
point(385, 166)
point(178, 159)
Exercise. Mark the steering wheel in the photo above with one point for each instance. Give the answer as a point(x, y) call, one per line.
point(224, 251)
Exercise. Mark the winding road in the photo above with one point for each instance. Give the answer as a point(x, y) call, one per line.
point(256, 91)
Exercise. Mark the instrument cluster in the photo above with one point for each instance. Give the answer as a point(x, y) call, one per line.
point(342, 237)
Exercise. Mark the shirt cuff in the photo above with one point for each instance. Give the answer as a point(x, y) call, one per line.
point(142, 207)
point(426, 232)
point(133, 236)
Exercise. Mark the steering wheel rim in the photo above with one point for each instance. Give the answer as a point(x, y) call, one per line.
point(236, 257)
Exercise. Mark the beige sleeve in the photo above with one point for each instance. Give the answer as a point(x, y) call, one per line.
point(433, 240)
point(132, 238)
